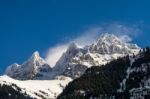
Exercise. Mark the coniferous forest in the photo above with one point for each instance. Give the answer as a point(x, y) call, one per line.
point(7, 92)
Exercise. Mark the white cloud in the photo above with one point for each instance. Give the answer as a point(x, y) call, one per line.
point(55, 53)
point(125, 32)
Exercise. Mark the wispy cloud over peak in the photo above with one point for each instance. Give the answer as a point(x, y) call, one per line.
point(54, 53)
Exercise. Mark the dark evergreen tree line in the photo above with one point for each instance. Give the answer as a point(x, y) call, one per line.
point(7, 92)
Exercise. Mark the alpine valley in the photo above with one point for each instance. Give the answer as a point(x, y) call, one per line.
point(107, 69)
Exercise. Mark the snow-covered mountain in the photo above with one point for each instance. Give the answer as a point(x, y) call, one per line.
point(72, 64)
point(77, 59)
point(34, 68)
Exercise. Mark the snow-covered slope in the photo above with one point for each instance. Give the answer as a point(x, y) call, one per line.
point(38, 89)
point(77, 59)
point(33, 68)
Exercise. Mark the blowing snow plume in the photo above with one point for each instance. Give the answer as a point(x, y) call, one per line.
point(89, 36)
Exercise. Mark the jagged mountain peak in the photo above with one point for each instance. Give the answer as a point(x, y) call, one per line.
point(35, 56)
point(73, 46)
point(34, 68)
point(73, 49)
point(108, 39)
point(36, 60)
point(112, 44)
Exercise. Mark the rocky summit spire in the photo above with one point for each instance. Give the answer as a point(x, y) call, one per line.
point(35, 56)
point(72, 46)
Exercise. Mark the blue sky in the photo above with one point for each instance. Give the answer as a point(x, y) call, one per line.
point(29, 25)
